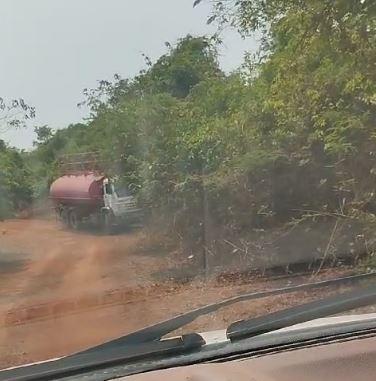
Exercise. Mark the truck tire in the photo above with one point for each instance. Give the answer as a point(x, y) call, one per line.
point(107, 223)
point(64, 217)
point(74, 221)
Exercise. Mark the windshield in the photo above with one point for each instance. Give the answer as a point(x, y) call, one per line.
point(122, 190)
point(239, 138)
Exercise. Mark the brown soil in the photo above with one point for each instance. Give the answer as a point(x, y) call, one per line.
point(63, 291)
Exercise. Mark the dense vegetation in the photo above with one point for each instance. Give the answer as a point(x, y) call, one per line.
point(286, 141)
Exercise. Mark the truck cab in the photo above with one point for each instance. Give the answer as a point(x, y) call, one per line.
point(119, 203)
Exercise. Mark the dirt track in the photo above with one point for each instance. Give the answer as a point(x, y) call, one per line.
point(62, 291)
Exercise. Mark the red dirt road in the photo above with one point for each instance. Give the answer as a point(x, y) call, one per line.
point(54, 281)
point(63, 291)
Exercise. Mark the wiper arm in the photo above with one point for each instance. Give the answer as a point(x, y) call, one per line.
point(302, 313)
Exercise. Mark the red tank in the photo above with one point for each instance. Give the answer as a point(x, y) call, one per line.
point(77, 189)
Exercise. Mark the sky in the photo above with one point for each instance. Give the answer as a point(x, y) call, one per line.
point(52, 49)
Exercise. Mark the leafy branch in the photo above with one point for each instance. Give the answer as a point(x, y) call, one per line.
point(14, 114)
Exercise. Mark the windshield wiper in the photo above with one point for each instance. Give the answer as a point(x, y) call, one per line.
point(146, 343)
point(157, 331)
point(302, 313)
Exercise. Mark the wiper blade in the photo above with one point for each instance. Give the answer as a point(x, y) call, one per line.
point(85, 362)
point(300, 314)
point(157, 331)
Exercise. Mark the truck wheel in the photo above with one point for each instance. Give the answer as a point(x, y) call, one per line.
point(64, 217)
point(107, 223)
point(74, 221)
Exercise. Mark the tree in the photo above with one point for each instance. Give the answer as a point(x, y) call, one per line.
point(14, 113)
point(44, 135)
point(184, 66)
point(15, 188)
point(15, 182)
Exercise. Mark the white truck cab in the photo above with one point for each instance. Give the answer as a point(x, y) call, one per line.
point(121, 205)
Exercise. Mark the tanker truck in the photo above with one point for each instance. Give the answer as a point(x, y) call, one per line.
point(90, 197)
